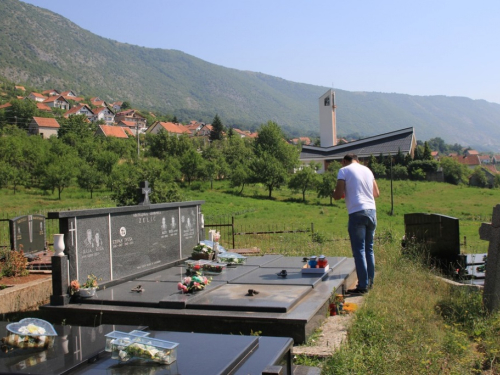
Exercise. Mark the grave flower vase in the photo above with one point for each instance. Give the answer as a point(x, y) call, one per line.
point(59, 245)
point(86, 292)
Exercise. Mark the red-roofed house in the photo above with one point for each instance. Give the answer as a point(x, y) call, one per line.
point(20, 88)
point(51, 92)
point(471, 152)
point(36, 97)
point(127, 124)
point(435, 155)
point(43, 107)
point(82, 109)
point(495, 159)
point(195, 126)
point(485, 159)
point(6, 105)
point(117, 106)
point(205, 131)
point(302, 140)
point(96, 101)
point(471, 161)
point(45, 127)
point(104, 113)
point(169, 127)
point(69, 93)
point(113, 131)
point(57, 102)
point(131, 115)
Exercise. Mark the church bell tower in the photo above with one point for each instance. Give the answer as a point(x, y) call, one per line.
point(327, 120)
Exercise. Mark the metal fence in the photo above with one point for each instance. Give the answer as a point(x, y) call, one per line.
point(229, 230)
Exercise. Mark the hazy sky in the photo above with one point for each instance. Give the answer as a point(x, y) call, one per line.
point(425, 47)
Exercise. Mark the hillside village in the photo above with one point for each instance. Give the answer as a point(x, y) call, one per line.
point(118, 120)
point(112, 119)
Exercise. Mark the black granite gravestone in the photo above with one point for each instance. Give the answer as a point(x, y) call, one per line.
point(27, 233)
point(439, 235)
point(125, 242)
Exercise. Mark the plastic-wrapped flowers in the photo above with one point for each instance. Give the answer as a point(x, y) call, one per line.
point(193, 283)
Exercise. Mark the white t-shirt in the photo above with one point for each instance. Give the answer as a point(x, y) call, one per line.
point(358, 187)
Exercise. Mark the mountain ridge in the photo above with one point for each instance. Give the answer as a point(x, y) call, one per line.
point(44, 49)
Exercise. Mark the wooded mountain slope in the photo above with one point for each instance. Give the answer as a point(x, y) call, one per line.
point(43, 49)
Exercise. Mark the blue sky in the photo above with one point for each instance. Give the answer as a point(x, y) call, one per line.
point(438, 47)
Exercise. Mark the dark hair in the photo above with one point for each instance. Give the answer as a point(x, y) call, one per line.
point(351, 157)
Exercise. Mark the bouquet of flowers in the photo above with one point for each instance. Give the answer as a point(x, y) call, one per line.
point(90, 283)
point(193, 283)
point(202, 251)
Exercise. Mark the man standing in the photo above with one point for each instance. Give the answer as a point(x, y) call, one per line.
point(357, 185)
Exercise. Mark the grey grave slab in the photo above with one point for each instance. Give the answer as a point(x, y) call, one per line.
point(261, 260)
point(236, 297)
point(269, 276)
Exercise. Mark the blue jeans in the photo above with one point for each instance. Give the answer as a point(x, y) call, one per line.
point(361, 227)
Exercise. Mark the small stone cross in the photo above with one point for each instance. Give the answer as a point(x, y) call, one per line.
point(491, 232)
point(145, 190)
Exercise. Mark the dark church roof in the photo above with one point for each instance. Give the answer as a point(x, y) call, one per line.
point(388, 143)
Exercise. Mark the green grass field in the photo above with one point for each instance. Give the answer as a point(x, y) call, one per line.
point(411, 322)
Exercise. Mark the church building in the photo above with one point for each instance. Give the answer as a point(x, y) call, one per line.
point(385, 144)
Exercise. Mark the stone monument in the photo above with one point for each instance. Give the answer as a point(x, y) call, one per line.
point(491, 232)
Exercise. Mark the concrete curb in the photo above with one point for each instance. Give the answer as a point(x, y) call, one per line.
point(25, 297)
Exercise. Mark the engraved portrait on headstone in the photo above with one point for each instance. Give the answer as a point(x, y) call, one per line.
point(98, 242)
point(92, 243)
point(88, 241)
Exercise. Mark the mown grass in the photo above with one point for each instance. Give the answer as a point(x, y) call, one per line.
point(412, 322)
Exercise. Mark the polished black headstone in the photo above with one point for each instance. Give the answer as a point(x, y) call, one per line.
point(27, 233)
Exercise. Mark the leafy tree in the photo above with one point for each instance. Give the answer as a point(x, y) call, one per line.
point(90, 178)
point(305, 179)
point(166, 192)
point(274, 157)
point(399, 172)
point(75, 128)
point(217, 132)
point(125, 105)
point(21, 112)
point(454, 172)
point(478, 177)
point(497, 180)
point(425, 165)
point(268, 170)
point(240, 175)
point(59, 173)
point(379, 170)
point(192, 164)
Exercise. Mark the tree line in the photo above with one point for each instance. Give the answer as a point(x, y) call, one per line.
point(78, 157)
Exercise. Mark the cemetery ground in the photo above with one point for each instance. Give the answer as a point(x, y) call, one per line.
point(411, 322)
